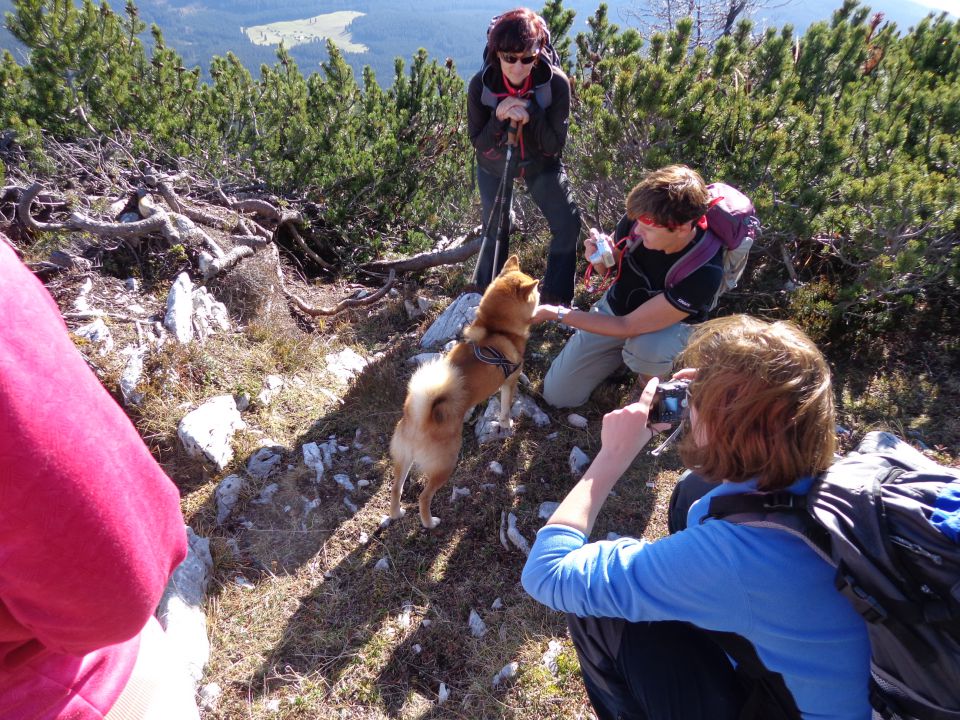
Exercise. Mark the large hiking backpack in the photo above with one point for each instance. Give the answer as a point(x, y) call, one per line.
point(731, 223)
point(888, 519)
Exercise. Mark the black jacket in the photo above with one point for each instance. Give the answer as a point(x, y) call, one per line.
point(543, 136)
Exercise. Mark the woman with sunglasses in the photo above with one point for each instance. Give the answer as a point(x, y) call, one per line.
point(519, 86)
point(655, 623)
point(639, 321)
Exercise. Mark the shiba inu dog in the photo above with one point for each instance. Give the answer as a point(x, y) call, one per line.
point(440, 393)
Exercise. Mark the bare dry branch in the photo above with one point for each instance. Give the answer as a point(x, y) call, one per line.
point(343, 304)
point(211, 266)
point(294, 233)
point(428, 259)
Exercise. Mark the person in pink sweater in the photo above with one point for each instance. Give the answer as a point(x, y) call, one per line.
point(90, 532)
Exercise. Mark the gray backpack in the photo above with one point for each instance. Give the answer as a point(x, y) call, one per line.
point(888, 518)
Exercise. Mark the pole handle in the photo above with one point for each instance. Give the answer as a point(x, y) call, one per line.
point(512, 133)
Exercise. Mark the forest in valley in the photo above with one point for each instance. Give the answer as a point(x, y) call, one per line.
point(334, 210)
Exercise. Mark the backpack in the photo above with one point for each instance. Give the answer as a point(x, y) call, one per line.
point(888, 519)
point(731, 224)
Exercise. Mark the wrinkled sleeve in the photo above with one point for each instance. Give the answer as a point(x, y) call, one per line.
point(675, 578)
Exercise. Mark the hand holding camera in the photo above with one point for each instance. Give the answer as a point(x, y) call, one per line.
point(670, 402)
point(602, 256)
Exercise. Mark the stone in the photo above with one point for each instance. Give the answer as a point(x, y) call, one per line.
point(207, 431)
point(451, 321)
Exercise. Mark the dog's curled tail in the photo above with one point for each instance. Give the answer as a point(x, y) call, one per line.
point(435, 393)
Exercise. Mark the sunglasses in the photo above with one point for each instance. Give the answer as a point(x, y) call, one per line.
point(511, 59)
point(650, 222)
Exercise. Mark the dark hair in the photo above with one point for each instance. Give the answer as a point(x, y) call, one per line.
point(672, 196)
point(764, 403)
point(515, 31)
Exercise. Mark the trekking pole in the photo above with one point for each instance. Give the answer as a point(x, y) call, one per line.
point(506, 209)
point(504, 197)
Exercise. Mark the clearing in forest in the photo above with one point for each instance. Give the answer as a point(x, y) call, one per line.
point(331, 26)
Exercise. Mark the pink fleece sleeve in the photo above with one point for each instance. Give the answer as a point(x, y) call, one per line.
point(90, 526)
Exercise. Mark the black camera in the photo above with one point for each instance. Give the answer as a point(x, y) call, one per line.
point(670, 402)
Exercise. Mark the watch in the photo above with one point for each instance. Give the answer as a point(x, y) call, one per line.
point(561, 311)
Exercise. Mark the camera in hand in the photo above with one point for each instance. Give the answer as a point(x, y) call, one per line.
point(670, 402)
point(604, 252)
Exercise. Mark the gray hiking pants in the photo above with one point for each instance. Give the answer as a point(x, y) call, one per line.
point(588, 359)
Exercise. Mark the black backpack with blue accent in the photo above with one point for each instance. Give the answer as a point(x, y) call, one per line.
point(888, 519)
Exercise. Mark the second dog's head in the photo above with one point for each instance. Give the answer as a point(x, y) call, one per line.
point(507, 304)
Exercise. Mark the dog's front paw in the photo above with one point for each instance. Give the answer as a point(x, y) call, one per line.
point(397, 514)
point(506, 426)
point(434, 521)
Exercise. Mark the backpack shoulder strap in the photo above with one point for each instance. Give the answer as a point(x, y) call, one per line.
point(781, 510)
point(705, 248)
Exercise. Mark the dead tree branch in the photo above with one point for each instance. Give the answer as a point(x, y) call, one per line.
point(343, 304)
point(428, 259)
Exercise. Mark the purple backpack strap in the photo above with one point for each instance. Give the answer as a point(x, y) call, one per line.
point(705, 249)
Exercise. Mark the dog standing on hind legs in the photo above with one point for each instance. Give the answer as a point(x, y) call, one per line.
point(440, 393)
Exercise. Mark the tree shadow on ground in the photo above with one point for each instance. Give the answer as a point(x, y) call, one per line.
point(386, 638)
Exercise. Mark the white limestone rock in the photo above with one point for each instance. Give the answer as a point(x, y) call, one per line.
point(451, 321)
point(549, 659)
point(207, 431)
point(346, 364)
point(209, 315)
point(579, 461)
point(132, 372)
point(506, 674)
point(515, 536)
point(547, 509)
point(577, 421)
point(264, 461)
point(272, 384)
point(97, 333)
point(313, 459)
point(524, 405)
point(227, 495)
point(343, 481)
point(179, 317)
point(478, 628)
point(181, 609)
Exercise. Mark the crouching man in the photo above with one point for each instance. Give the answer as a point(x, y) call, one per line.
point(639, 321)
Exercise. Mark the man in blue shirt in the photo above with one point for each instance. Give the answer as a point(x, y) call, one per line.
point(651, 620)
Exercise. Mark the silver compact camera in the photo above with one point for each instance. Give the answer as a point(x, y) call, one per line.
point(670, 402)
point(604, 252)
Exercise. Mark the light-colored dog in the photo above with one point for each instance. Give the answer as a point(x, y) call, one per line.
point(440, 393)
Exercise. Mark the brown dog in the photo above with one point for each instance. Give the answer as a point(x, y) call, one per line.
point(441, 392)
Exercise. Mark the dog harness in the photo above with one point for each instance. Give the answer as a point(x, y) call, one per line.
point(492, 356)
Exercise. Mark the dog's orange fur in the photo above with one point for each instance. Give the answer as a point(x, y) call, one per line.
point(440, 393)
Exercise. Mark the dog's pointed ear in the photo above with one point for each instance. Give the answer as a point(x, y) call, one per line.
point(512, 265)
point(528, 286)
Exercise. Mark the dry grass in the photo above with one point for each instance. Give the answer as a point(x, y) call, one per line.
point(314, 631)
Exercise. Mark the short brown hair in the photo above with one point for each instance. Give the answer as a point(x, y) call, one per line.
point(515, 31)
point(672, 196)
point(764, 399)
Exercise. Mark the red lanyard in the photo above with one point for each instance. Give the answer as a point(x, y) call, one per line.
point(627, 244)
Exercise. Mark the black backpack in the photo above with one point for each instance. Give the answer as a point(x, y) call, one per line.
point(888, 518)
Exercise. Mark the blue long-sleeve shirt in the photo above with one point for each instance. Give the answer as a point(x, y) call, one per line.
point(761, 583)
